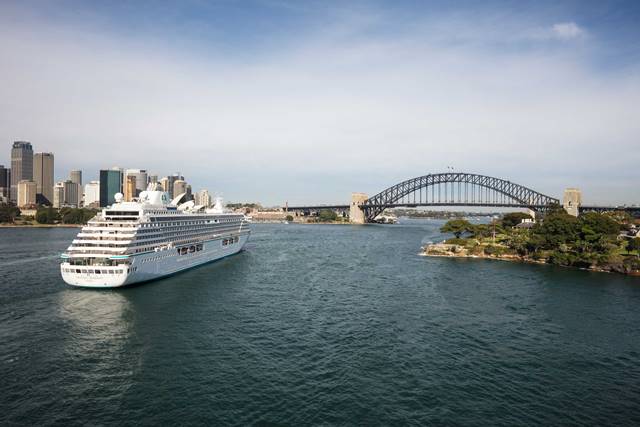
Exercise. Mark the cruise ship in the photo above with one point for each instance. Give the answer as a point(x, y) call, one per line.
point(148, 238)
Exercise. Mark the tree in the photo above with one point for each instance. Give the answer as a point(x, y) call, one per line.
point(556, 229)
point(289, 218)
point(8, 213)
point(457, 227)
point(326, 215)
point(480, 230)
point(598, 224)
point(47, 215)
point(634, 245)
point(512, 219)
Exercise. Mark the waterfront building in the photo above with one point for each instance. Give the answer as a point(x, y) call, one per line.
point(21, 166)
point(58, 195)
point(76, 176)
point(179, 187)
point(71, 193)
point(5, 183)
point(110, 184)
point(129, 188)
point(92, 194)
point(141, 179)
point(27, 191)
point(203, 198)
point(43, 170)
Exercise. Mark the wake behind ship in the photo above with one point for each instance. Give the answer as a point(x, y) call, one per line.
point(148, 238)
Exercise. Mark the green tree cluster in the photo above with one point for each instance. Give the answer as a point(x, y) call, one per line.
point(327, 215)
point(634, 245)
point(8, 213)
point(512, 219)
point(76, 215)
point(457, 226)
point(590, 239)
point(47, 215)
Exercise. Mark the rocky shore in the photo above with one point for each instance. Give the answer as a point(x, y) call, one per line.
point(503, 253)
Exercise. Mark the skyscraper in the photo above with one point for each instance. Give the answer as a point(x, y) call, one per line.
point(58, 195)
point(71, 193)
point(129, 188)
point(141, 179)
point(179, 187)
point(43, 168)
point(21, 166)
point(164, 182)
point(5, 182)
point(110, 184)
point(76, 176)
point(169, 183)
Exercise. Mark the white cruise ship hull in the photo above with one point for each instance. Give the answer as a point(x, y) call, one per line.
point(149, 266)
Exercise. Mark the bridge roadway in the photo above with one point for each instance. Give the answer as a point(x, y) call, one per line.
point(314, 208)
point(632, 210)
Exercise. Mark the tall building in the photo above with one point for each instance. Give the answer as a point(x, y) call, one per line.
point(92, 194)
point(76, 176)
point(179, 187)
point(168, 183)
point(26, 193)
point(110, 184)
point(189, 192)
point(5, 183)
point(21, 166)
point(203, 198)
point(129, 188)
point(141, 179)
point(58, 195)
point(164, 183)
point(71, 193)
point(43, 168)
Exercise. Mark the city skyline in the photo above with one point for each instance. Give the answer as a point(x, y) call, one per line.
point(36, 184)
point(318, 100)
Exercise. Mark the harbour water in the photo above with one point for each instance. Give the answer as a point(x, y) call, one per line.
point(313, 324)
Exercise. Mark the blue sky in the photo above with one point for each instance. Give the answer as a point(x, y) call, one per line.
point(309, 101)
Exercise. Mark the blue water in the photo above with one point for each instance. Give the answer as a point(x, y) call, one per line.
point(331, 325)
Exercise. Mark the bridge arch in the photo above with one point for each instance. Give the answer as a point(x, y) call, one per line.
point(456, 189)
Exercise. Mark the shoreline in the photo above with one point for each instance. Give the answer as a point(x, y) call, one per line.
point(446, 250)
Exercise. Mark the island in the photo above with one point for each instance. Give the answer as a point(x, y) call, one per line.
point(607, 242)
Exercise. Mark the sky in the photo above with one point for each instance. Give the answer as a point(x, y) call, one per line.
point(306, 102)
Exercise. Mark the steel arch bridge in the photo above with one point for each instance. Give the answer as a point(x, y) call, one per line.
point(456, 189)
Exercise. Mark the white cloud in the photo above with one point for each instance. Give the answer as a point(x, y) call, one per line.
point(567, 31)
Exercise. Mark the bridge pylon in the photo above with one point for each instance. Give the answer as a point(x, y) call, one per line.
point(356, 214)
point(572, 200)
